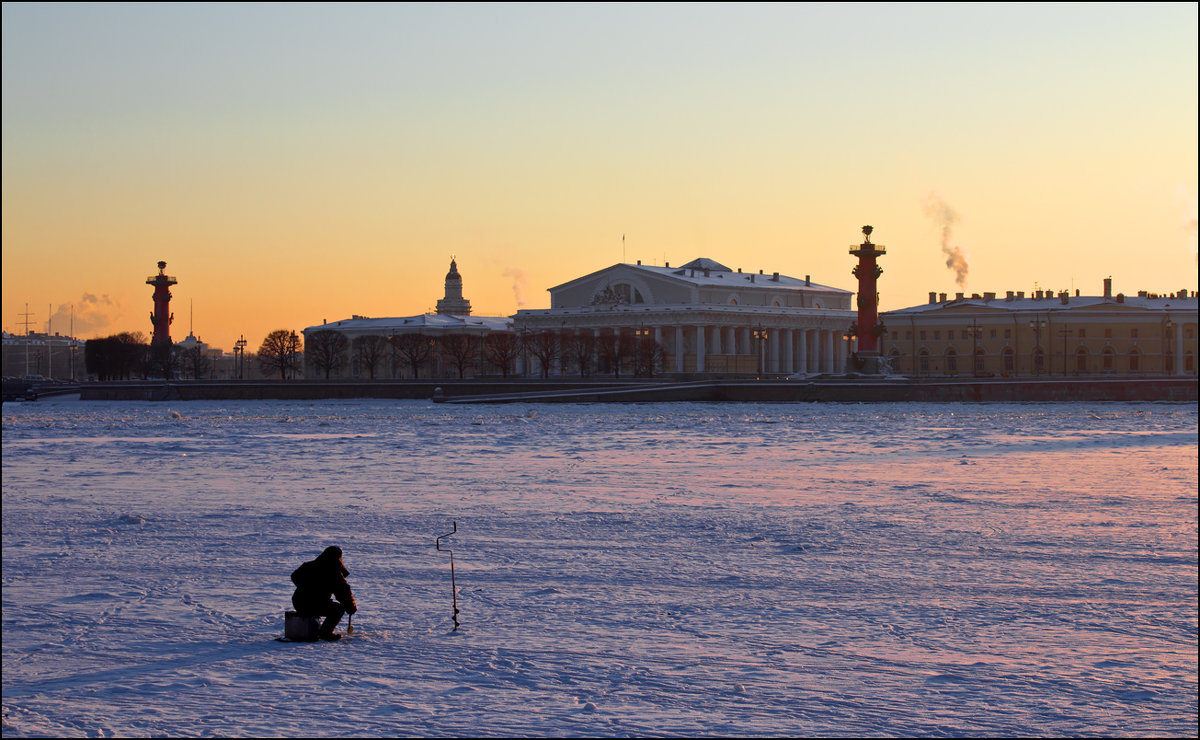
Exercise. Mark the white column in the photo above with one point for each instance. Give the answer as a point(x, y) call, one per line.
point(802, 351)
point(788, 352)
point(716, 347)
point(699, 349)
point(839, 354)
point(773, 350)
point(679, 349)
point(826, 351)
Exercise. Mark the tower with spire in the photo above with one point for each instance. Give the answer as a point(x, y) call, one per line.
point(454, 304)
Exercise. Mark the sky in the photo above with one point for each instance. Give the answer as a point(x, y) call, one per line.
point(294, 163)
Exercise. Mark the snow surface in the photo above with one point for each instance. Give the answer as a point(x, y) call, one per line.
point(653, 569)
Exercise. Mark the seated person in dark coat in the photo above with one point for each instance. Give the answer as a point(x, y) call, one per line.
point(316, 581)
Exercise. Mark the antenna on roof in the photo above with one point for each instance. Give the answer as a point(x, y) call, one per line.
point(622, 248)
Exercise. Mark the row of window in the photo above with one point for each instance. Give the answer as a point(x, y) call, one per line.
point(1107, 360)
point(992, 333)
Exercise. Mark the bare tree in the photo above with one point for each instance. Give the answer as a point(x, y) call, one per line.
point(326, 351)
point(613, 350)
point(369, 351)
point(544, 346)
point(416, 349)
point(193, 362)
point(462, 349)
point(501, 350)
point(280, 351)
point(649, 356)
point(580, 348)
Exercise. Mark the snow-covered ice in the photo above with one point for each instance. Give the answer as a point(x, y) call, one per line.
point(653, 569)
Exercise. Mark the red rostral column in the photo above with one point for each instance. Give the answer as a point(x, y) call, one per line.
point(868, 272)
point(162, 317)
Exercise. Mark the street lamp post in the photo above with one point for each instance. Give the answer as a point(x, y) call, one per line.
point(761, 334)
point(239, 357)
point(975, 330)
point(1064, 333)
point(1036, 324)
point(1168, 357)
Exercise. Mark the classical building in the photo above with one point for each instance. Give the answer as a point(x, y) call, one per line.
point(449, 343)
point(701, 317)
point(1044, 334)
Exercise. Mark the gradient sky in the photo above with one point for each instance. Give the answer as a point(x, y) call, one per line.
point(294, 163)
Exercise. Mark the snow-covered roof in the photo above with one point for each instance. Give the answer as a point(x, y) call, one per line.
point(430, 322)
point(1054, 303)
point(704, 272)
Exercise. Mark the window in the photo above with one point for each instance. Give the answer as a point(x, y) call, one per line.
point(1039, 361)
point(1107, 358)
point(1108, 333)
point(908, 334)
point(979, 357)
point(1134, 364)
point(951, 362)
point(1009, 360)
point(924, 358)
point(1081, 360)
point(1189, 363)
point(937, 334)
point(1082, 333)
point(921, 334)
point(964, 334)
point(1008, 333)
point(1133, 333)
point(993, 333)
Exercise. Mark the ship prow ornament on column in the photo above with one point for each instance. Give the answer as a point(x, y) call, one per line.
point(162, 317)
point(868, 328)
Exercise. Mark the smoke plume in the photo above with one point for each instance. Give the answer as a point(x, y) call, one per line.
point(92, 315)
point(519, 284)
point(946, 217)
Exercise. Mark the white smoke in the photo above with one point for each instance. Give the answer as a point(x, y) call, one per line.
point(946, 217)
point(519, 285)
point(92, 314)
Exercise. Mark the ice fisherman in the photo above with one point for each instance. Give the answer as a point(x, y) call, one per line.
point(316, 582)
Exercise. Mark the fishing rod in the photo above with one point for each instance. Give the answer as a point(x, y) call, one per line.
point(453, 588)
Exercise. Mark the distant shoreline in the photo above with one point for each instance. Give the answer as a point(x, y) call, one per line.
point(817, 389)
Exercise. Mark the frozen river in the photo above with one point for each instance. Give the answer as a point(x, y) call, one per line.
point(654, 569)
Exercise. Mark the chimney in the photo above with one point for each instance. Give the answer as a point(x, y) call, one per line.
point(989, 296)
point(932, 297)
point(1065, 297)
point(666, 264)
point(807, 280)
point(639, 262)
point(1077, 292)
point(1108, 287)
point(706, 272)
point(1120, 297)
point(1008, 295)
point(941, 297)
point(1020, 294)
point(775, 277)
point(958, 296)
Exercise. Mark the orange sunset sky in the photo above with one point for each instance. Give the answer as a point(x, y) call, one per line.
point(294, 163)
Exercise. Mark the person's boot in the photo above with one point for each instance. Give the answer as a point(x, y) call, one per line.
point(331, 637)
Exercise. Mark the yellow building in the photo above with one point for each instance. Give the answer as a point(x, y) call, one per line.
point(1044, 334)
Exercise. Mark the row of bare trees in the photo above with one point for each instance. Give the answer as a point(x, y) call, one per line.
point(328, 352)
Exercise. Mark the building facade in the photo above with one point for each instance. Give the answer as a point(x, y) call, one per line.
point(1044, 334)
point(449, 343)
point(702, 317)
